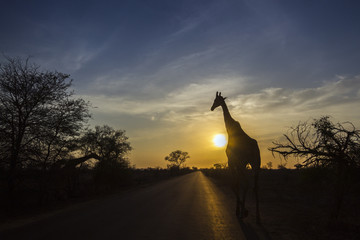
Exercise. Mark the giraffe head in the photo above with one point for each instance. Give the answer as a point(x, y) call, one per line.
point(219, 100)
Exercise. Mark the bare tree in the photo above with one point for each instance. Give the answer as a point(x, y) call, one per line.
point(324, 144)
point(38, 117)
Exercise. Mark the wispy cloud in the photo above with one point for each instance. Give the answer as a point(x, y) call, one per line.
point(147, 80)
point(190, 99)
point(343, 90)
point(194, 99)
point(186, 26)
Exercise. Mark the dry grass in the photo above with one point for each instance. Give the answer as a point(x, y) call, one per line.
point(298, 204)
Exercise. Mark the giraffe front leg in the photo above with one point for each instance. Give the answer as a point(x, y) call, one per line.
point(236, 190)
point(244, 211)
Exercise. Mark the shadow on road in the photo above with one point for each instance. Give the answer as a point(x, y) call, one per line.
point(254, 231)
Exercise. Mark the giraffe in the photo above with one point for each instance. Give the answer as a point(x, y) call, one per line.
point(241, 150)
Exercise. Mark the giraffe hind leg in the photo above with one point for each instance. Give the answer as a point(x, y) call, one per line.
point(237, 211)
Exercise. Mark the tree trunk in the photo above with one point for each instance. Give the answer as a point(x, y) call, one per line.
point(12, 179)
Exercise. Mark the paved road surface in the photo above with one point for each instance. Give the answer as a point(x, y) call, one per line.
point(186, 207)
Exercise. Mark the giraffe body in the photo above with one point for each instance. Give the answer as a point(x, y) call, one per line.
point(241, 150)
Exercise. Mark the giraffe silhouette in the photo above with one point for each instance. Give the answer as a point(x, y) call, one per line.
point(241, 150)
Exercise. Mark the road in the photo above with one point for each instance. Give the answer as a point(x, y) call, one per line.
point(186, 207)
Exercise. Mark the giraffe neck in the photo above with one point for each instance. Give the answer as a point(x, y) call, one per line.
point(229, 121)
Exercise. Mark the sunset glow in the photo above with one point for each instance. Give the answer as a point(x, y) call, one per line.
point(219, 140)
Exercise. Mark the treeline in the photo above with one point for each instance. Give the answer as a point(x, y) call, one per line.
point(47, 151)
point(45, 147)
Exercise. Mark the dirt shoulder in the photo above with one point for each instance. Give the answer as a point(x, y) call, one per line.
point(294, 206)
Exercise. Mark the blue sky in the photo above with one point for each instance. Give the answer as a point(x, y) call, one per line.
point(153, 67)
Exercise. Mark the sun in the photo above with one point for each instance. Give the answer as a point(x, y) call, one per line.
point(219, 140)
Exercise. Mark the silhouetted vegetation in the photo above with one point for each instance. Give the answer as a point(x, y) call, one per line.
point(150, 175)
point(111, 147)
point(218, 173)
point(220, 165)
point(47, 155)
point(323, 144)
point(177, 159)
point(268, 165)
point(39, 121)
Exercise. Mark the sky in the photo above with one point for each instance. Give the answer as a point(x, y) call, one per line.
point(152, 68)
